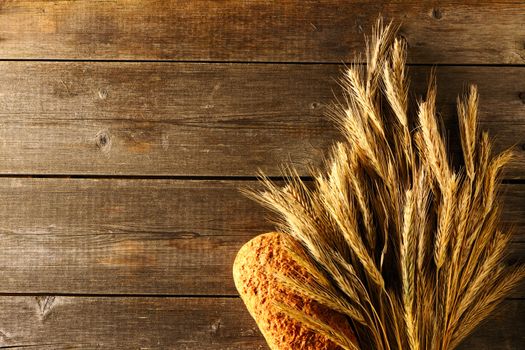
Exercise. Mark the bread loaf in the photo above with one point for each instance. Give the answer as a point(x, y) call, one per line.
point(253, 272)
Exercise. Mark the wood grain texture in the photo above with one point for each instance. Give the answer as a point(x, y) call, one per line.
point(53, 322)
point(291, 31)
point(111, 118)
point(126, 323)
point(116, 236)
point(146, 263)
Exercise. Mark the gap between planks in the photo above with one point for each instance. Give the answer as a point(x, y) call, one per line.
point(342, 63)
point(182, 177)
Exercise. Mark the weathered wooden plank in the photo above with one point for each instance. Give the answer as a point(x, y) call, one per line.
point(123, 236)
point(504, 330)
point(126, 323)
point(177, 237)
point(292, 31)
point(176, 323)
point(214, 119)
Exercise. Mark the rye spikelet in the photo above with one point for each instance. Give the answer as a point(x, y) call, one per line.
point(409, 248)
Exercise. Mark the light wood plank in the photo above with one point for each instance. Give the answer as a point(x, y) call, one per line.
point(111, 236)
point(291, 31)
point(214, 119)
point(176, 323)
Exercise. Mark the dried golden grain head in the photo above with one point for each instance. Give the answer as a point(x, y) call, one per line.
point(409, 248)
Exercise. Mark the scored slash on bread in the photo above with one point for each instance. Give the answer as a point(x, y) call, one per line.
point(255, 272)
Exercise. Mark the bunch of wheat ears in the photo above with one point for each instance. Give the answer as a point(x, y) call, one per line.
point(396, 238)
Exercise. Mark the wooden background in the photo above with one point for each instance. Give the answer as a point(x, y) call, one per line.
point(127, 127)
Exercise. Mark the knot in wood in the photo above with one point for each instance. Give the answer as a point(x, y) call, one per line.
point(315, 105)
point(103, 141)
point(102, 94)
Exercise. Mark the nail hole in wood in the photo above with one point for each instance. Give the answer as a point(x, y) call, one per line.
point(437, 13)
point(521, 95)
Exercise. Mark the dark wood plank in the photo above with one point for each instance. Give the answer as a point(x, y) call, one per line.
point(292, 31)
point(126, 323)
point(177, 237)
point(213, 119)
point(503, 330)
point(123, 236)
point(176, 323)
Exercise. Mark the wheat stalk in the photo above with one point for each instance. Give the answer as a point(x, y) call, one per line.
point(408, 247)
